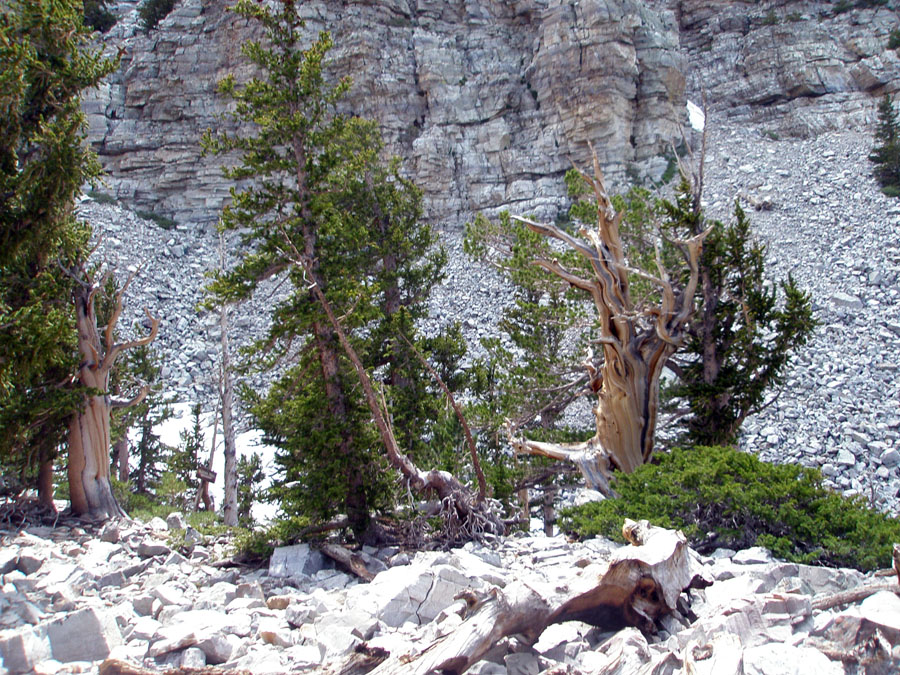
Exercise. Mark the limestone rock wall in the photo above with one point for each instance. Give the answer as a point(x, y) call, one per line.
point(795, 68)
point(488, 102)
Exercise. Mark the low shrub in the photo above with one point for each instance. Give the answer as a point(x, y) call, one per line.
point(97, 16)
point(894, 39)
point(259, 544)
point(151, 12)
point(731, 498)
point(164, 222)
point(102, 197)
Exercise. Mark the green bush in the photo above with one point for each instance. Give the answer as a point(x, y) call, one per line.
point(101, 197)
point(738, 501)
point(894, 39)
point(97, 16)
point(164, 222)
point(151, 12)
point(259, 544)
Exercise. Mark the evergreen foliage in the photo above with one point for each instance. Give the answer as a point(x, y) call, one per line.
point(97, 15)
point(150, 453)
point(321, 190)
point(531, 372)
point(151, 12)
point(44, 66)
point(741, 339)
point(185, 459)
point(886, 153)
point(725, 498)
point(250, 476)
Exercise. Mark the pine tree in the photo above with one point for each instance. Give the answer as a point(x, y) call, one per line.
point(536, 363)
point(185, 459)
point(320, 193)
point(151, 454)
point(741, 338)
point(886, 153)
point(250, 475)
point(44, 66)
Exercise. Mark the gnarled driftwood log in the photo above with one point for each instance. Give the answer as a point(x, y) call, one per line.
point(638, 585)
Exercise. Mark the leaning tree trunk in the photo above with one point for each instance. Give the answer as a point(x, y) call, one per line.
point(636, 342)
point(465, 514)
point(90, 490)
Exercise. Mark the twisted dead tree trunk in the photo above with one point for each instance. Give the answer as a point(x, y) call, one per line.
point(636, 342)
point(90, 491)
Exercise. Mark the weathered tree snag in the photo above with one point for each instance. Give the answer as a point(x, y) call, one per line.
point(90, 491)
point(229, 499)
point(636, 342)
point(638, 585)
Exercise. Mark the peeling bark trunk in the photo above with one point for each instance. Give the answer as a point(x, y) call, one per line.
point(636, 341)
point(90, 491)
point(637, 586)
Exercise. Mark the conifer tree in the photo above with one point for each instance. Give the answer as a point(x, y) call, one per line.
point(321, 192)
point(151, 454)
point(537, 365)
point(185, 458)
point(250, 475)
point(886, 153)
point(741, 338)
point(44, 66)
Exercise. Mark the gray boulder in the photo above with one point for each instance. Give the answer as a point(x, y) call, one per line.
point(296, 561)
point(84, 635)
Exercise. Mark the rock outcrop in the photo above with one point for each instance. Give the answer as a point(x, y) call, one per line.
point(794, 68)
point(489, 103)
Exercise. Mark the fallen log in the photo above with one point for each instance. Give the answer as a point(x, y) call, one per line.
point(352, 562)
point(117, 667)
point(635, 587)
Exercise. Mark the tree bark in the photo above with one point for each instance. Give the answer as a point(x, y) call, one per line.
point(229, 505)
point(120, 452)
point(636, 342)
point(637, 586)
point(90, 491)
point(45, 482)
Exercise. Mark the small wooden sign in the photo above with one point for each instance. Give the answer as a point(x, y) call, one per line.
point(205, 474)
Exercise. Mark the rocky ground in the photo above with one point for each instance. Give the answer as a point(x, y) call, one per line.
point(827, 224)
point(151, 595)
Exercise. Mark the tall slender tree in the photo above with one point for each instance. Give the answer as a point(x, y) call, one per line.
point(340, 225)
point(886, 153)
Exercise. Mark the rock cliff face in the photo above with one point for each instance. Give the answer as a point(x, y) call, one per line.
point(795, 68)
point(488, 102)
